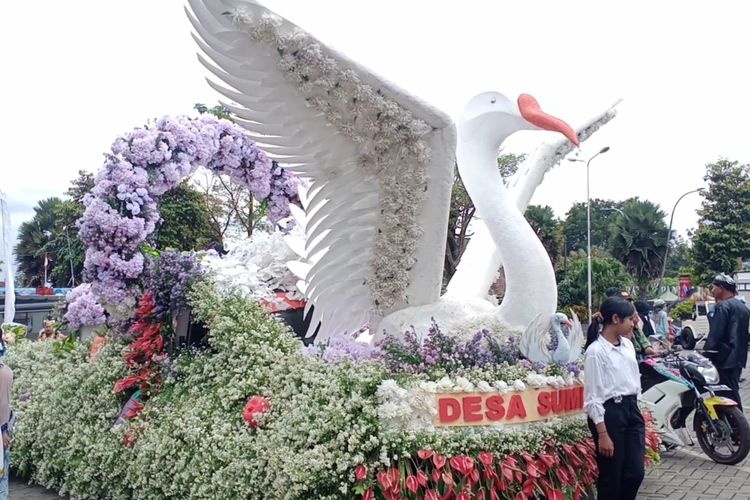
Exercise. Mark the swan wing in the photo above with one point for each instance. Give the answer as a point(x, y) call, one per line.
point(533, 344)
point(378, 161)
point(575, 338)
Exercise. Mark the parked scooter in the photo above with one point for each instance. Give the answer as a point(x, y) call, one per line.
point(678, 384)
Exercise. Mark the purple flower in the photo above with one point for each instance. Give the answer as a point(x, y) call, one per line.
point(438, 351)
point(343, 348)
point(83, 309)
point(122, 210)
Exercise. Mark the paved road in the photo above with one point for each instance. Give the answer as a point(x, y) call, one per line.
point(687, 473)
point(683, 474)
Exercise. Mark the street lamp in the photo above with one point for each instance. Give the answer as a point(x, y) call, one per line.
point(70, 258)
point(669, 236)
point(588, 221)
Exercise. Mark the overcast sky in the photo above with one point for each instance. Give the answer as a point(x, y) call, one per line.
point(76, 74)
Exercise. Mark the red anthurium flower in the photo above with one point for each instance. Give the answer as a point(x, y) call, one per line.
point(369, 494)
point(393, 474)
point(448, 494)
point(435, 476)
point(528, 487)
point(422, 478)
point(520, 496)
point(462, 464)
point(431, 495)
point(481, 494)
point(463, 496)
point(412, 484)
point(438, 460)
point(360, 472)
point(384, 480)
point(532, 470)
point(448, 478)
point(424, 454)
point(255, 406)
point(486, 457)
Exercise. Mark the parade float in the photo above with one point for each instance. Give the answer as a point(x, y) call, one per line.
point(400, 392)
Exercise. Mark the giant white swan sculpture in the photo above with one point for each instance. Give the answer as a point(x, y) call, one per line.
point(380, 165)
point(480, 261)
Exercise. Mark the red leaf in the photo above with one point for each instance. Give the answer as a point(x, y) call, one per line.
point(126, 383)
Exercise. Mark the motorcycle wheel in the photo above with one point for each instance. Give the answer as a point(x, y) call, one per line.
point(730, 443)
point(688, 339)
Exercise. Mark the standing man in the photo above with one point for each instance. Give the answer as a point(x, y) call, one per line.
point(728, 334)
point(661, 326)
point(6, 421)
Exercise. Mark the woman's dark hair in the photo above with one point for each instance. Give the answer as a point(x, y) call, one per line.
point(610, 307)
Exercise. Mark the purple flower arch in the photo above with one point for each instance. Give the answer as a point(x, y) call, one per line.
point(122, 208)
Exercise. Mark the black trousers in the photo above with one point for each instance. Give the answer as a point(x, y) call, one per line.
point(731, 378)
point(621, 475)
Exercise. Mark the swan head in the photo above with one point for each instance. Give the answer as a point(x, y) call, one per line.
point(560, 319)
point(492, 116)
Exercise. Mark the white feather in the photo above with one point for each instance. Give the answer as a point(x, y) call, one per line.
point(278, 117)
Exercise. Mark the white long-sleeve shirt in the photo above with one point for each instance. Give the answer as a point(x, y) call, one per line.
point(608, 371)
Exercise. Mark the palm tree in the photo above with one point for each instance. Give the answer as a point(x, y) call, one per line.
point(34, 238)
point(638, 239)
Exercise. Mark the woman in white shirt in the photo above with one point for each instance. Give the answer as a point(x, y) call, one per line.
point(612, 385)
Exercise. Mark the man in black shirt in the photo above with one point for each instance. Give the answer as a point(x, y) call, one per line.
point(728, 334)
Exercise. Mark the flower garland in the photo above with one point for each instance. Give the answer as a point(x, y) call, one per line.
point(122, 209)
point(392, 142)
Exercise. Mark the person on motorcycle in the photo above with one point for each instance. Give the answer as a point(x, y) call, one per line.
point(728, 334)
point(611, 387)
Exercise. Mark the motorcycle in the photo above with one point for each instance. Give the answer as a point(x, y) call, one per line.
point(677, 385)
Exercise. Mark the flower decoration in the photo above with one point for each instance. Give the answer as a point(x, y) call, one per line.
point(255, 406)
point(122, 208)
point(83, 309)
point(392, 141)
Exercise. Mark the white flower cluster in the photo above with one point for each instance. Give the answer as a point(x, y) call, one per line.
point(254, 267)
point(391, 140)
point(190, 441)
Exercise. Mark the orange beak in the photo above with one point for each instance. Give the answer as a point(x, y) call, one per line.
point(532, 113)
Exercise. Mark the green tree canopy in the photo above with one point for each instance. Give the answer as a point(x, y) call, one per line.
point(606, 272)
point(638, 239)
point(186, 221)
point(548, 229)
point(603, 212)
point(722, 239)
point(34, 242)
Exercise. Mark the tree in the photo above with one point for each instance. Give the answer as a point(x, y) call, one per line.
point(462, 212)
point(603, 212)
point(680, 259)
point(606, 272)
point(722, 239)
point(34, 243)
point(547, 228)
point(65, 245)
point(638, 239)
point(230, 205)
point(186, 220)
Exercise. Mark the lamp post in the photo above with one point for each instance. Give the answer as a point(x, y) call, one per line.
point(669, 236)
point(70, 258)
point(588, 222)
